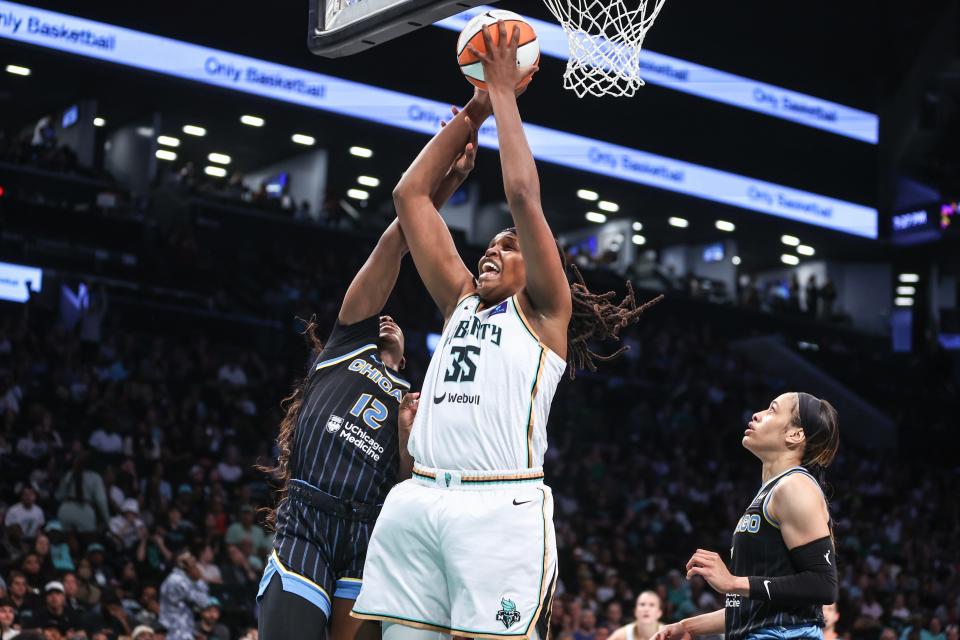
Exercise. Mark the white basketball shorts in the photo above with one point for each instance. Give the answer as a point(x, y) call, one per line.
point(464, 553)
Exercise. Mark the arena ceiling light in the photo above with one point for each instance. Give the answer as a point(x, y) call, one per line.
point(906, 291)
point(17, 70)
point(586, 194)
point(606, 205)
point(304, 139)
point(252, 121)
point(593, 216)
point(219, 158)
point(790, 259)
point(361, 152)
point(166, 154)
point(638, 226)
point(909, 278)
point(724, 225)
point(99, 122)
point(791, 241)
point(805, 250)
point(168, 141)
point(358, 194)
point(146, 132)
point(216, 172)
point(368, 181)
point(639, 239)
point(903, 302)
point(735, 260)
point(194, 130)
point(680, 223)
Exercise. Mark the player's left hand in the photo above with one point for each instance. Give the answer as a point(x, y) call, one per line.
point(711, 566)
point(500, 68)
point(408, 410)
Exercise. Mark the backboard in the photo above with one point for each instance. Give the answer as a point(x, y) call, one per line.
point(344, 27)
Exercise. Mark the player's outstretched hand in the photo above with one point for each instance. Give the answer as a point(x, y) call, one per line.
point(500, 69)
point(408, 410)
point(673, 631)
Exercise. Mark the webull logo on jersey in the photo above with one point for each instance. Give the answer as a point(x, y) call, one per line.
point(457, 398)
point(508, 613)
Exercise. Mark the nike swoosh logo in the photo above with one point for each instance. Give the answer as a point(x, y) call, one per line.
point(517, 504)
point(766, 585)
point(826, 557)
point(437, 400)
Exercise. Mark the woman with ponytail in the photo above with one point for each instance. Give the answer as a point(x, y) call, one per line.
point(783, 565)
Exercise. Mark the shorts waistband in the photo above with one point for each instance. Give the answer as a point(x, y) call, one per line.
point(332, 504)
point(475, 480)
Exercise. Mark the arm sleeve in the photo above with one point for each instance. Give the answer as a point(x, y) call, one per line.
point(815, 580)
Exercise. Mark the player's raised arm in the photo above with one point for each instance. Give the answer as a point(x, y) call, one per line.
point(371, 287)
point(547, 285)
point(431, 245)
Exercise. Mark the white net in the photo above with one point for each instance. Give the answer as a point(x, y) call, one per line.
point(605, 38)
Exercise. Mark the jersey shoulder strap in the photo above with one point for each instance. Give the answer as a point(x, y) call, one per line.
point(769, 488)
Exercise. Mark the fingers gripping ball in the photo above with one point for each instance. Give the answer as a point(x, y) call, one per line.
point(528, 49)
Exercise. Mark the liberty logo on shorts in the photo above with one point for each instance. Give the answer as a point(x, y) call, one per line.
point(508, 613)
point(447, 477)
point(334, 423)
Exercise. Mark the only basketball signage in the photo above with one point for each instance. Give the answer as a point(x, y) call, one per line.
point(236, 72)
point(713, 84)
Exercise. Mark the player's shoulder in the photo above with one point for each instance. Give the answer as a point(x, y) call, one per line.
point(621, 633)
point(797, 492)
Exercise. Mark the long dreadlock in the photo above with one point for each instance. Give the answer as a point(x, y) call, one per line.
point(280, 473)
point(595, 317)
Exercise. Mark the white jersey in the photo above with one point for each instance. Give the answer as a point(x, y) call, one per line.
point(487, 393)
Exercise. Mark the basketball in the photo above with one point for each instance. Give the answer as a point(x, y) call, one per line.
point(528, 50)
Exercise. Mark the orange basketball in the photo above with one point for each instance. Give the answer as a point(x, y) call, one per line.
point(528, 50)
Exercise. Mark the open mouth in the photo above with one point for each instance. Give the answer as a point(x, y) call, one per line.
point(489, 267)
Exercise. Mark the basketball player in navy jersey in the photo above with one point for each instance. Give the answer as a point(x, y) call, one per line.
point(783, 565)
point(342, 447)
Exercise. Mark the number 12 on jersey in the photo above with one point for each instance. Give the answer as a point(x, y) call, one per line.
point(372, 415)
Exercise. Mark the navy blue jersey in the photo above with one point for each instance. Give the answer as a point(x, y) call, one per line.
point(346, 441)
point(759, 550)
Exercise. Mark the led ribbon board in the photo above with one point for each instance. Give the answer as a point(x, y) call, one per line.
point(713, 84)
point(218, 68)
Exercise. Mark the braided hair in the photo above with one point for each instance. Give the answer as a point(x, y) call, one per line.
point(595, 318)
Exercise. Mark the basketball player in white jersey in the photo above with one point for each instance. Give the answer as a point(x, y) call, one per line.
point(466, 547)
point(647, 619)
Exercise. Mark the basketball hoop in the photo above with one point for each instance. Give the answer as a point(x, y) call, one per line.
point(605, 38)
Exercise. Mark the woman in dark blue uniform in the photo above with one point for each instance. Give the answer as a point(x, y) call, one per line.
point(342, 447)
point(782, 567)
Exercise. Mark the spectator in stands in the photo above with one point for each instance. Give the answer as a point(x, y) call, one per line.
point(142, 632)
point(20, 594)
point(7, 615)
point(60, 554)
point(179, 594)
point(82, 498)
point(812, 296)
point(106, 440)
point(229, 469)
point(247, 529)
point(26, 514)
point(209, 571)
point(127, 527)
point(53, 612)
point(210, 627)
point(830, 617)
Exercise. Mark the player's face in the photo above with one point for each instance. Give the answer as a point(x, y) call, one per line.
point(391, 341)
point(648, 608)
point(501, 271)
point(770, 429)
